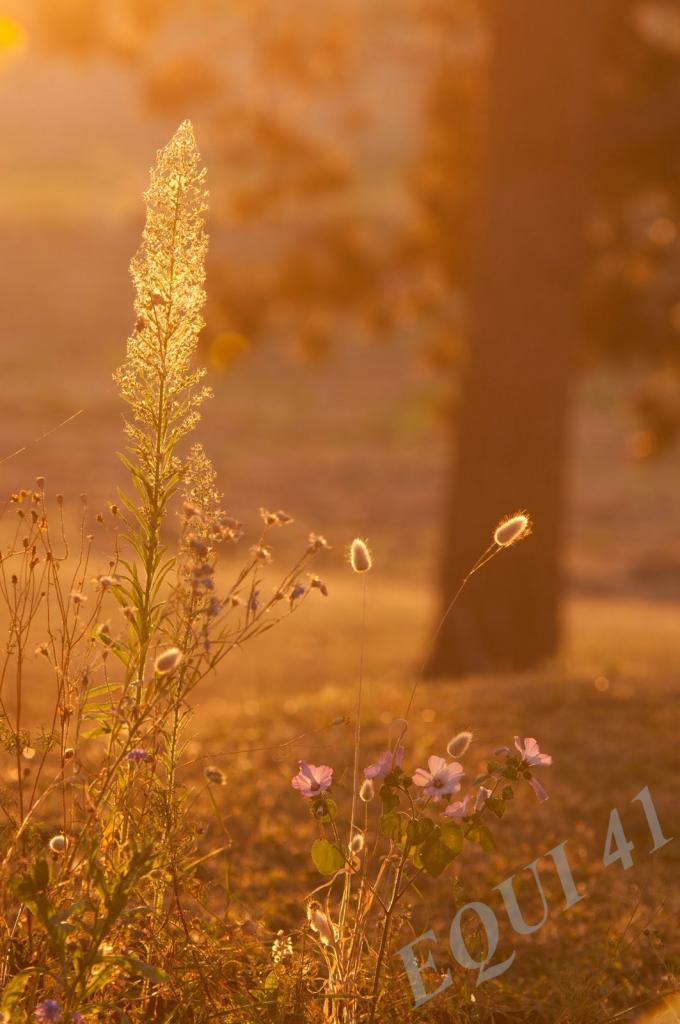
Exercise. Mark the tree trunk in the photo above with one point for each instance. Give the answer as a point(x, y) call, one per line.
point(524, 309)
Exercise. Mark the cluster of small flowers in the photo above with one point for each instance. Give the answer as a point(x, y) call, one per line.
point(49, 1010)
point(282, 947)
point(441, 778)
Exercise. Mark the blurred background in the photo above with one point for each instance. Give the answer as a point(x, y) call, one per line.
point(444, 284)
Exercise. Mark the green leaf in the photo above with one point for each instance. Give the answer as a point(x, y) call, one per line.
point(328, 857)
point(323, 809)
point(436, 855)
point(418, 830)
point(496, 807)
point(389, 799)
point(391, 826)
point(452, 837)
point(481, 834)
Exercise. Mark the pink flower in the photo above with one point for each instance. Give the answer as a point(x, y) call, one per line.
point(312, 779)
point(531, 753)
point(460, 809)
point(439, 778)
point(538, 790)
point(385, 763)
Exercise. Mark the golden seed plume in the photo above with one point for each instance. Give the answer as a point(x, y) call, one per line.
point(512, 529)
point(360, 557)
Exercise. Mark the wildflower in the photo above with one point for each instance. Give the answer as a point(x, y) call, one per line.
point(254, 602)
point(460, 809)
point(531, 753)
point(321, 923)
point(214, 774)
point(199, 547)
point(69, 752)
point(59, 844)
point(538, 789)
point(512, 529)
point(214, 607)
point(262, 553)
point(367, 791)
point(296, 592)
point(268, 518)
point(439, 778)
point(312, 779)
point(384, 764)
point(136, 755)
point(78, 597)
point(202, 576)
point(318, 584)
point(459, 744)
point(47, 1010)
point(359, 556)
point(167, 661)
point(283, 519)
point(316, 543)
point(107, 581)
point(482, 796)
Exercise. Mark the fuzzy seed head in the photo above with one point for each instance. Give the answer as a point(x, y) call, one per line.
point(360, 557)
point(167, 661)
point(215, 775)
point(512, 529)
point(459, 744)
point(59, 844)
point(357, 843)
point(367, 791)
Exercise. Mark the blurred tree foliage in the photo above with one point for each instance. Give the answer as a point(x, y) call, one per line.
point(352, 138)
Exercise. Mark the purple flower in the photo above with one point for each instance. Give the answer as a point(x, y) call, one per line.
point(531, 753)
point(384, 764)
point(538, 790)
point(254, 602)
point(460, 809)
point(312, 779)
point(440, 778)
point(137, 754)
point(297, 591)
point(47, 1010)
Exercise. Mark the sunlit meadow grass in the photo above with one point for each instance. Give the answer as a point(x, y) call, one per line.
point(154, 872)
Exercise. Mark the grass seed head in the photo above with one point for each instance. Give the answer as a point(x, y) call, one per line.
point(59, 843)
point(367, 791)
point(167, 661)
point(459, 744)
point(360, 557)
point(512, 529)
